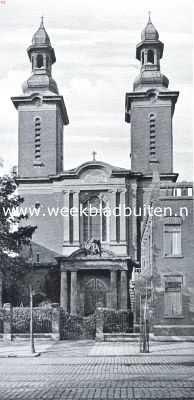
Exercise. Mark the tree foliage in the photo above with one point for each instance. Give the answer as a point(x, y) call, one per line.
point(15, 233)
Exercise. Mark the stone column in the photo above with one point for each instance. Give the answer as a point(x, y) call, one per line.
point(124, 290)
point(64, 290)
point(73, 292)
point(113, 283)
point(123, 218)
point(76, 218)
point(7, 322)
point(66, 217)
point(112, 217)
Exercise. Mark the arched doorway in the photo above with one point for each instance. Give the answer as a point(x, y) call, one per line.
point(95, 293)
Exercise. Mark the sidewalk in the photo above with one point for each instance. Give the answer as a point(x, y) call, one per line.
point(128, 348)
point(21, 348)
point(84, 348)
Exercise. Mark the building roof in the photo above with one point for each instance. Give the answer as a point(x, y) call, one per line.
point(41, 36)
point(149, 32)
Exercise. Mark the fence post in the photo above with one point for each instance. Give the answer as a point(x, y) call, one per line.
point(99, 324)
point(56, 321)
point(7, 322)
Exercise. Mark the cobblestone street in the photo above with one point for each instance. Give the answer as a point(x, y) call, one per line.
point(89, 370)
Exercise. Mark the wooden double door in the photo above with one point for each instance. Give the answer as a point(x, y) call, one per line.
point(95, 294)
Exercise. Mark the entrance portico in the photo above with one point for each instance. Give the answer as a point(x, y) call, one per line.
point(88, 281)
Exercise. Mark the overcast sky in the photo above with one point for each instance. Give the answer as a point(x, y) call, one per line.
point(95, 43)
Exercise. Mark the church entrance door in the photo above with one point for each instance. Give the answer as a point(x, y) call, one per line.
point(95, 293)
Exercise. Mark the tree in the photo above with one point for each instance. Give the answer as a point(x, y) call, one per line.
point(15, 235)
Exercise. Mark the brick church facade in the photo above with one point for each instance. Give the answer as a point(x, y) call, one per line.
point(83, 260)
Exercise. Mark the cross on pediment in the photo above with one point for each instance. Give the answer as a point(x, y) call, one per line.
point(94, 155)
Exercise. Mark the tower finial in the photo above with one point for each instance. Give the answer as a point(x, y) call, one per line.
point(149, 16)
point(42, 21)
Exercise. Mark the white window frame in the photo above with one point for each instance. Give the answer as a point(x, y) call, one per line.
point(170, 225)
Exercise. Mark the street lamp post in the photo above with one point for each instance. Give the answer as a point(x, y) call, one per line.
point(32, 347)
point(144, 325)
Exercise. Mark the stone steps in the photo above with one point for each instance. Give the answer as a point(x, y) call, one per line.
point(121, 337)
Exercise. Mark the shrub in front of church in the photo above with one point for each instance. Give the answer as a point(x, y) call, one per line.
point(77, 327)
point(117, 321)
point(42, 320)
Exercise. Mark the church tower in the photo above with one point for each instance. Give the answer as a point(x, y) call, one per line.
point(41, 113)
point(150, 108)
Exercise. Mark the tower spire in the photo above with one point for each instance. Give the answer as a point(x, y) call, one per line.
point(149, 16)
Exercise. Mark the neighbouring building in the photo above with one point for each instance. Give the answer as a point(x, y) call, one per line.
point(82, 259)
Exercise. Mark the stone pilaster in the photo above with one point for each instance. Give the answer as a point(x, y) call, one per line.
point(73, 292)
point(113, 283)
point(66, 217)
point(123, 217)
point(64, 290)
point(133, 219)
point(112, 202)
point(76, 218)
point(124, 290)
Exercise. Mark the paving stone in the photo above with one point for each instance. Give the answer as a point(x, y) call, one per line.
point(79, 376)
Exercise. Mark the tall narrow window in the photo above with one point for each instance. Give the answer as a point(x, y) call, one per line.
point(173, 296)
point(152, 129)
point(37, 137)
point(172, 240)
point(94, 223)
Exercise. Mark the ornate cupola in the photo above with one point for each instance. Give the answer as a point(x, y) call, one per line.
point(42, 56)
point(149, 52)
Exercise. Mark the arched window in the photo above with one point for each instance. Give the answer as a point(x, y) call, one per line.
point(37, 134)
point(150, 56)
point(39, 61)
point(47, 62)
point(94, 224)
point(142, 57)
point(152, 130)
point(32, 62)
